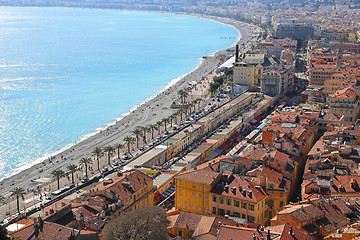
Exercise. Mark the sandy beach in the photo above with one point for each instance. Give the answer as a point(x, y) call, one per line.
point(148, 113)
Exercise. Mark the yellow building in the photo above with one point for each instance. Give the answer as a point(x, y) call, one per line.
point(133, 190)
point(207, 191)
point(346, 102)
point(192, 189)
point(334, 83)
point(249, 69)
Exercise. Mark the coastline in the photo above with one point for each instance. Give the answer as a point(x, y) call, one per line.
point(148, 112)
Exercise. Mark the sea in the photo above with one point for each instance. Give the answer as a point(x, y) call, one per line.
point(66, 73)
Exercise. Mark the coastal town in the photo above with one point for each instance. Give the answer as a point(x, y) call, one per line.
point(261, 141)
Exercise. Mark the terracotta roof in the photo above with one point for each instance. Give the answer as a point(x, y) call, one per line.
point(204, 176)
point(49, 231)
point(232, 233)
point(231, 188)
point(187, 220)
point(288, 233)
point(125, 184)
point(303, 212)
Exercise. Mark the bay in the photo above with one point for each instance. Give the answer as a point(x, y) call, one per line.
point(66, 72)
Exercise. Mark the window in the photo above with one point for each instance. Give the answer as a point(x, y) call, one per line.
point(214, 198)
point(193, 185)
point(243, 216)
point(251, 219)
point(199, 196)
point(281, 203)
point(221, 200)
point(206, 198)
point(193, 194)
point(206, 209)
point(251, 207)
point(189, 235)
point(206, 188)
point(200, 208)
point(236, 214)
point(271, 203)
point(214, 210)
point(236, 203)
point(221, 212)
point(180, 192)
point(271, 186)
point(228, 201)
point(281, 194)
point(193, 206)
point(179, 181)
point(243, 205)
point(200, 186)
point(180, 233)
point(186, 204)
point(271, 193)
point(179, 202)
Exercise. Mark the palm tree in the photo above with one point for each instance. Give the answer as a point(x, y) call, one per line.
point(232, 85)
point(137, 132)
point(144, 130)
point(165, 121)
point(57, 174)
point(72, 168)
point(180, 112)
point(171, 118)
point(18, 192)
point(158, 124)
point(129, 140)
point(97, 152)
point(119, 146)
point(109, 149)
point(199, 100)
point(85, 162)
point(152, 127)
point(183, 95)
point(2, 199)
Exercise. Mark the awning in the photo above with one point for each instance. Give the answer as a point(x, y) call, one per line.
point(257, 118)
point(168, 191)
point(211, 156)
point(225, 145)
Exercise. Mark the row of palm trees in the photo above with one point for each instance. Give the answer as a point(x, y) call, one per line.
point(128, 140)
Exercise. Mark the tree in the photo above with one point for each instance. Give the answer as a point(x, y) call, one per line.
point(57, 174)
point(148, 223)
point(109, 149)
point(137, 132)
point(152, 127)
point(183, 95)
point(72, 168)
point(119, 146)
point(144, 130)
point(97, 152)
point(158, 124)
point(3, 233)
point(85, 161)
point(18, 192)
point(198, 101)
point(165, 121)
point(129, 140)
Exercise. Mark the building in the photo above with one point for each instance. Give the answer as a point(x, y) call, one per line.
point(277, 80)
point(346, 102)
point(296, 31)
point(248, 69)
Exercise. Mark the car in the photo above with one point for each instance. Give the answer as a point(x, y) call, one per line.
point(142, 148)
point(115, 163)
point(104, 170)
point(84, 180)
point(126, 157)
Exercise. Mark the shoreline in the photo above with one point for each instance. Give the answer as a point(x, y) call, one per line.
point(157, 105)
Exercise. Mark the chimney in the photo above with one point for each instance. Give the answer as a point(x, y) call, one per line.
point(237, 53)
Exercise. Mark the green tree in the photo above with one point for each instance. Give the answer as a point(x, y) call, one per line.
point(165, 121)
point(85, 162)
point(3, 233)
point(18, 192)
point(158, 124)
point(97, 152)
point(144, 130)
point(148, 223)
point(183, 94)
point(129, 140)
point(119, 146)
point(72, 168)
point(109, 149)
point(57, 174)
point(137, 132)
point(152, 127)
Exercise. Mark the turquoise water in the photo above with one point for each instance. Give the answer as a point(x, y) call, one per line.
point(66, 72)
